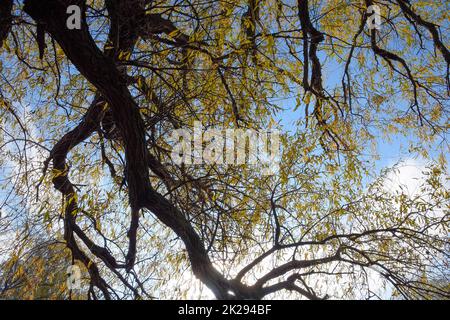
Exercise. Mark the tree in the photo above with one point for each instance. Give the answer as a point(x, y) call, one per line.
point(38, 273)
point(88, 157)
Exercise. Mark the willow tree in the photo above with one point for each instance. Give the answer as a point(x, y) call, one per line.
point(86, 163)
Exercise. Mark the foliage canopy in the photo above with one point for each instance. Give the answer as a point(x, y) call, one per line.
point(87, 175)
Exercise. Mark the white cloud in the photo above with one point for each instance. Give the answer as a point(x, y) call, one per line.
point(406, 177)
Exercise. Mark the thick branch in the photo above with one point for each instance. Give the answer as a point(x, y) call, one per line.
point(5, 19)
point(101, 71)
